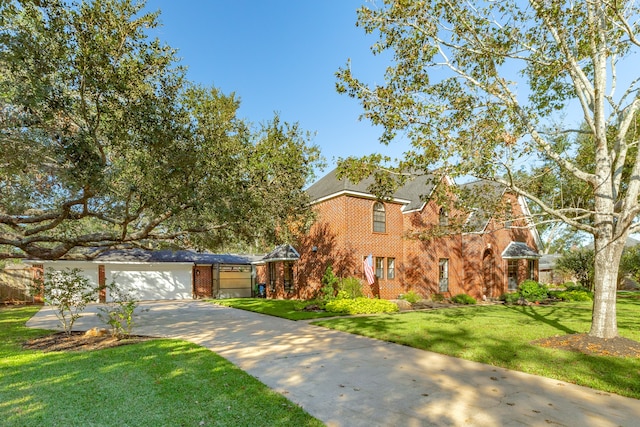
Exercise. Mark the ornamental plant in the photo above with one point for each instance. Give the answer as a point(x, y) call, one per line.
point(361, 305)
point(411, 297)
point(119, 312)
point(463, 299)
point(68, 291)
point(533, 291)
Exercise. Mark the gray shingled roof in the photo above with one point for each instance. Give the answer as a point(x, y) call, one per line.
point(282, 253)
point(519, 250)
point(141, 255)
point(412, 193)
point(548, 262)
point(480, 217)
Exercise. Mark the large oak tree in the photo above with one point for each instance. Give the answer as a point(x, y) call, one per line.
point(478, 88)
point(103, 142)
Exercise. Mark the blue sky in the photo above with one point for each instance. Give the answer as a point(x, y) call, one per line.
point(281, 56)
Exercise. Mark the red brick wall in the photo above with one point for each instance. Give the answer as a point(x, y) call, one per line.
point(343, 235)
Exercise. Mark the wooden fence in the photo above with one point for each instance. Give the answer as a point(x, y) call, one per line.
point(15, 282)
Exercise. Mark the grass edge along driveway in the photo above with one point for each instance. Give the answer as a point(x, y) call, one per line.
point(497, 335)
point(157, 382)
point(502, 336)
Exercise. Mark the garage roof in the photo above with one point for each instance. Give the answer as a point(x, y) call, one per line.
point(141, 255)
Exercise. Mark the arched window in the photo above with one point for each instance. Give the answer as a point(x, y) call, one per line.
point(379, 218)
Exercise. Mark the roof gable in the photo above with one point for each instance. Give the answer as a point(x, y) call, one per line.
point(412, 194)
point(282, 253)
point(519, 250)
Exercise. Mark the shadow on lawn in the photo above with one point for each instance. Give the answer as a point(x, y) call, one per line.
point(549, 317)
point(606, 373)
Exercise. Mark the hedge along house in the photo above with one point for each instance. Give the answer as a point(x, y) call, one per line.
point(166, 275)
point(484, 259)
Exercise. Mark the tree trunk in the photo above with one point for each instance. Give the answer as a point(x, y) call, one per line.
point(604, 323)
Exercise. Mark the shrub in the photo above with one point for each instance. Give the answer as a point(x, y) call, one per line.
point(118, 313)
point(350, 287)
point(411, 297)
point(575, 295)
point(570, 286)
point(533, 291)
point(580, 264)
point(510, 297)
point(437, 297)
point(361, 306)
point(68, 291)
point(329, 282)
point(463, 299)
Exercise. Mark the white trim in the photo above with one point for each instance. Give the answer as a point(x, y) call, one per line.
point(359, 195)
point(532, 227)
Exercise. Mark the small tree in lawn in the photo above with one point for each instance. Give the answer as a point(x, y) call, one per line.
point(68, 292)
point(118, 313)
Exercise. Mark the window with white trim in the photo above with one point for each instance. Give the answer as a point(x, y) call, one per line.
point(379, 218)
point(391, 268)
point(443, 275)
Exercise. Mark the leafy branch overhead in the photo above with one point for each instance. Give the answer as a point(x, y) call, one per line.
point(481, 89)
point(105, 143)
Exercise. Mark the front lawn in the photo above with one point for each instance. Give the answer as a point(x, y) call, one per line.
point(288, 309)
point(502, 336)
point(159, 382)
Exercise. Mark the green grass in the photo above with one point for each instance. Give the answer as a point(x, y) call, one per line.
point(502, 335)
point(159, 382)
point(288, 309)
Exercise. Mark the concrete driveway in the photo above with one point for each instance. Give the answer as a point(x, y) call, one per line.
point(348, 380)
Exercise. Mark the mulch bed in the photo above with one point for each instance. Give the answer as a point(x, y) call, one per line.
point(79, 341)
point(583, 343)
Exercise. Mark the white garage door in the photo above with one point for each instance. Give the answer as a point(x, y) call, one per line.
point(151, 281)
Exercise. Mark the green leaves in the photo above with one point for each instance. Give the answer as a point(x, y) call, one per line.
point(107, 144)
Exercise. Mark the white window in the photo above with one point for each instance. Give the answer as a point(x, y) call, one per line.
point(391, 268)
point(512, 274)
point(443, 275)
point(380, 267)
point(379, 218)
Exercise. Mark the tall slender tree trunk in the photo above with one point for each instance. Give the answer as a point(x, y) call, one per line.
point(604, 323)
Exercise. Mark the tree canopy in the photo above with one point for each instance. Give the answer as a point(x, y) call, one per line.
point(104, 142)
point(480, 88)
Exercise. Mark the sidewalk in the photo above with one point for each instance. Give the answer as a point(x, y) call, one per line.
point(349, 380)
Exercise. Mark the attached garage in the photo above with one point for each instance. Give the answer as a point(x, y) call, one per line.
point(167, 275)
point(151, 281)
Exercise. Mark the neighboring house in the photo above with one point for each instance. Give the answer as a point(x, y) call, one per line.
point(548, 273)
point(486, 260)
point(166, 274)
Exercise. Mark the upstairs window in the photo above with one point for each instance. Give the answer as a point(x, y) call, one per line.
point(379, 218)
point(444, 217)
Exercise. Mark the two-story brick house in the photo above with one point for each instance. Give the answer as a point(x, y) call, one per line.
point(411, 243)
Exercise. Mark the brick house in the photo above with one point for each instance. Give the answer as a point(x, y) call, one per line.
point(485, 258)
